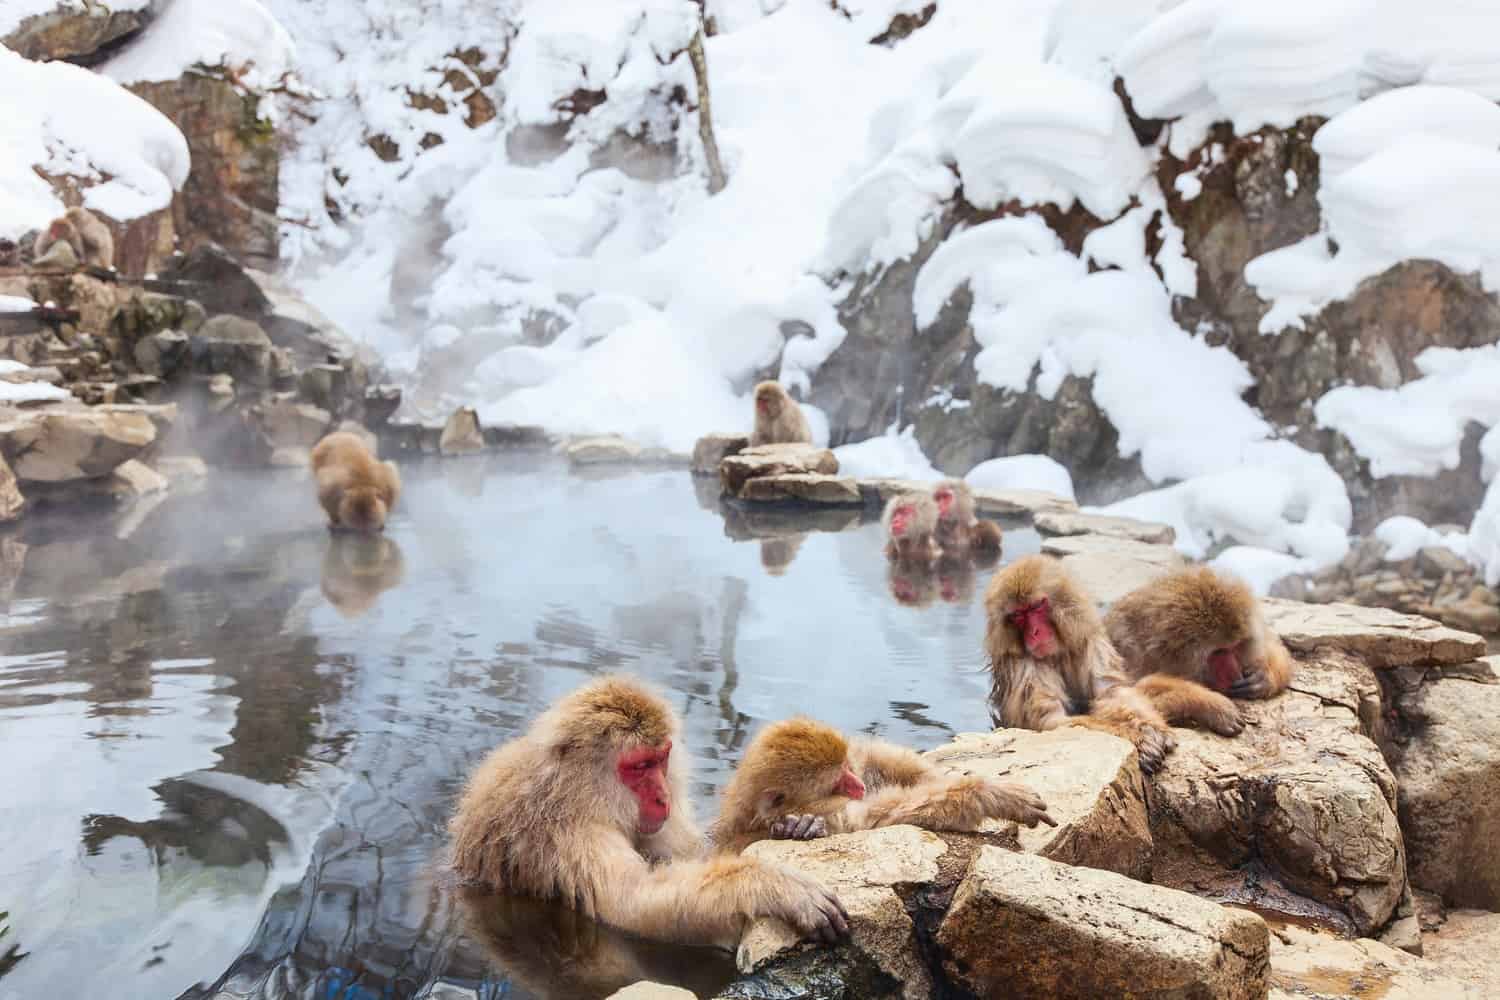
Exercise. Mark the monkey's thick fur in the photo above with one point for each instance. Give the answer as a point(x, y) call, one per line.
point(778, 418)
point(917, 538)
point(959, 531)
point(356, 490)
point(85, 232)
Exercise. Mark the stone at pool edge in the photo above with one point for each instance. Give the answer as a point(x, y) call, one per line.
point(987, 502)
point(612, 449)
point(711, 449)
point(804, 487)
point(1078, 523)
point(774, 460)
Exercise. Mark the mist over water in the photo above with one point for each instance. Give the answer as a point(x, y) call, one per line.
point(232, 742)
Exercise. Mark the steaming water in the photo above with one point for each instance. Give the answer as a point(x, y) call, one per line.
point(230, 743)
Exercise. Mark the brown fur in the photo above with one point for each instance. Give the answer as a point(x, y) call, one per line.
point(1084, 678)
point(85, 232)
point(960, 531)
point(357, 569)
point(1166, 630)
point(783, 422)
point(356, 491)
point(546, 815)
point(791, 767)
point(919, 543)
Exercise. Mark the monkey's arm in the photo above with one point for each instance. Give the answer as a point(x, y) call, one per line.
point(882, 764)
point(1181, 700)
point(1124, 711)
point(958, 804)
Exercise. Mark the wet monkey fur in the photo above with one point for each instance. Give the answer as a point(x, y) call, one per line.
point(959, 530)
point(355, 490)
point(778, 418)
point(801, 779)
point(1193, 637)
point(910, 527)
point(587, 808)
point(1051, 662)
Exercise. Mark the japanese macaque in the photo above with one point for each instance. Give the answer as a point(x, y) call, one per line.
point(355, 489)
point(778, 418)
point(586, 808)
point(1051, 662)
point(10, 253)
point(912, 584)
point(1196, 630)
point(801, 779)
point(959, 531)
point(84, 232)
point(910, 525)
point(357, 569)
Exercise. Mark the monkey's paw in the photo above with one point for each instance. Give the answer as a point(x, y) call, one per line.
point(1222, 716)
point(1251, 686)
point(813, 909)
point(1152, 746)
point(1015, 801)
point(799, 827)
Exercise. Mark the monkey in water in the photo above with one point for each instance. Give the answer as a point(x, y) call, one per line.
point(801, 779)
point(778, 418)
point(355, 489)
point(84, 232)
point(959, 530)
point(910, 526)
point(1051, 662)
point(585, 808)
point(1193, 637)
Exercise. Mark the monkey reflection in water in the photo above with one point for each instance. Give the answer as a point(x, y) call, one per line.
point(357, 569)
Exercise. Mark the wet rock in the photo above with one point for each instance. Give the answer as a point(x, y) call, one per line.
point(134, 479)
point(12, 503)
point(1109, 567)
point(229, 345)
point(1308, 964)
point(1297, 814)
point(461, 434)
point(1022, 926)
point(1150, 532)
point(866, 870)
point(76, 30)
point(1380, 637)
point(1465, 948)
point(804, 487)
point(652, 991)
point(712, 449)
point(67, 441)
point(1448, 773)
point(1092, 785)
point(220, 389)
point(774, 460)
point(162, 354)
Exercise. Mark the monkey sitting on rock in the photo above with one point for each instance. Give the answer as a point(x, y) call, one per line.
point(86, 237)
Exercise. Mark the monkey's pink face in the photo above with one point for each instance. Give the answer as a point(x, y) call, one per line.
point(1034, 622)
point(767, 404)
point(944, 498)
point(1227, 665)
point(901, 519)
point(644, 772)
point(848, 784)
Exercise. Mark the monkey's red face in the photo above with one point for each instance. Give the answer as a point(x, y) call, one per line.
point(848, 784)
point(766, 405)
point(1226, 665)
point(901, 519)
point(944, 498)
point(644, 772)
point(1034, 622)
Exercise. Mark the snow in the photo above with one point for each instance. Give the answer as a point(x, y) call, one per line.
point(1387, 119)
point(238, 34)
point(1406, 536)
point(14, 304)
point(896, 456)
point(75, 122)
point(1022, 472)
point(1484, 535)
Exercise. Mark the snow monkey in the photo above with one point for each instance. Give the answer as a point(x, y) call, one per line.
point(1051, 662)
point(355, 490)
point(82, 230)
point(910, 525)
point(1193, 637)
point(959, 531)
point(801, 779)
point(778, 418)
point(585, 808)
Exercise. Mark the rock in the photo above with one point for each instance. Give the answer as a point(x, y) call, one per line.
point(774, 460)
point(604, 450)
point(805, 487)
point(229, 345)
point(181, 469)
point(134, 479)
point(1380, 637)
point(1471, 616)
point(1008, 503)
point(70, 441)
point(325, 386)
point(1109, 568)
point(1023, 927)
point(290, 457)
point(711, 449)
point(288, 424)
point(1092, 785)
point(1297, 814)
point(1465, 948)
point(381, 403)
point(1435, 560)
point(12, 503)
point(865, 869)
point(220, 391)
point(1448, 775)
point(72, 29)
point(1311, 965)
point(461, 434)
point(1150, 532)
point(652, 991)
point(878, 492)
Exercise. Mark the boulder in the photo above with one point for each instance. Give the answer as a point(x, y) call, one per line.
point(712, 449)
point(161, 354)
point(1380, 637)
point(284, 423)
point(1448, 773)
point(1296, 815)
point(774, 460)
point(1067, 523)
point(611, 449)
point(134, 479)
point(461, 434)
point(77, 29)
point(65, 442)
point(1310, 965)
point(229, 345)
point(1110, 567)
point(1465, 947)
point(1092, 785)
point(804, 487)
point(1022, 926)
point(181, 469)
point(652, 991)
point(1013, 503)
point(12, 503)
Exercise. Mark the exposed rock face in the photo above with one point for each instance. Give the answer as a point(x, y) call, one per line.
point(1128, 528)
point(232, 346)
point(1382, 638)
point(1308, 964)
point(1025, 927)
point(806, 487)
point(713, 449)
point(67, 442)
point(75, 30)
point(461, 435)
point(774, 460)
point(1111, 567)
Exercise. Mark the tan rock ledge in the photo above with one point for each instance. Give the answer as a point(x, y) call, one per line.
point(1110, 567)
point(1382, 638)
point(1061, 523)
point(803, 487)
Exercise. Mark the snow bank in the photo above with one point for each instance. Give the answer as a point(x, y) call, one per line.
point(1392, 117)
point(14, 304)
point(1484, 536)
point(1022, 472)
point(1406, 536)
point(239, 34)
point(897, 456)
point(75, 122)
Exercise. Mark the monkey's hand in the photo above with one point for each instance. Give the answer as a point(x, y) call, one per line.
point(809, 906)
point(799, 827)
point(1014, 801)
point(1253, 684)
point(1152, 744)
point(1220, 714)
